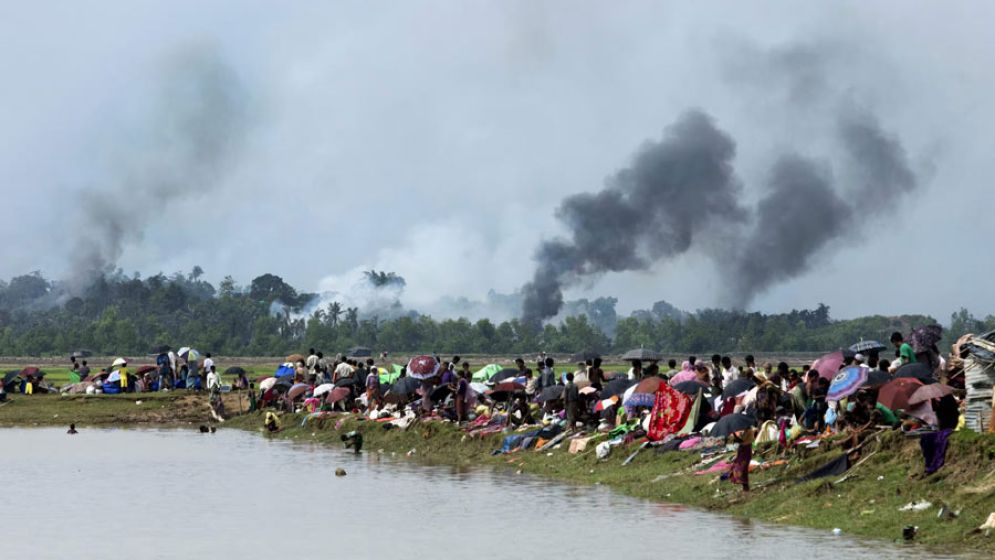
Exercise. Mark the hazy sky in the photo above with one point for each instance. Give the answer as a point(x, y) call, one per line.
point(436, 139)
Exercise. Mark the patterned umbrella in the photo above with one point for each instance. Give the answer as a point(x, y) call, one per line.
point(847, 382)
point(644, 393)
point(337, 394)
point(504, 391)
point(423, 367)
point(896, 393)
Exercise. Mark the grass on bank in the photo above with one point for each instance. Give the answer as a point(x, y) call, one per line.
point(866, 504)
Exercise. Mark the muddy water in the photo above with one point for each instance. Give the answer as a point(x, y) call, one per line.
point(138, 494)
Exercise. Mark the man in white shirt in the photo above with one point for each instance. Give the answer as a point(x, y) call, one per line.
point(213, 379)
point(343, 370)
point(312, 361)
point(729, 371)
point(208, 362)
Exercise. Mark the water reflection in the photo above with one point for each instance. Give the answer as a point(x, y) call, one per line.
point(181, 494)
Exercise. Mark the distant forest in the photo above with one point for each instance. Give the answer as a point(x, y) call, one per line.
point(117, 314)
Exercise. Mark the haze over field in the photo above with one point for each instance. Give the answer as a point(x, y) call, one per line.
point(849, 146)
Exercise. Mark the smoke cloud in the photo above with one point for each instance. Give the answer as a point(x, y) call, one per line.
point(190, 143)
point(676, 190)
point(682, 194)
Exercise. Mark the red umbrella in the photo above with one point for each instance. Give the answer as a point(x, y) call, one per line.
point(30, 372)
point(144, 369)
point(423, 367)
point(930, 392)
point(502, 391)
point(896, 393)
point(828, 365)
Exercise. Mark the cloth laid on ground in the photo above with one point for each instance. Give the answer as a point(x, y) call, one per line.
point(689, 443)
point(670, 412)
point(934, 449)
point(835, 467)
point(518, 441)
point(719, 467)
point(605, 448)
point(579, 445)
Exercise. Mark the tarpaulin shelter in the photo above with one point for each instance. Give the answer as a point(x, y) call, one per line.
point(486, 373)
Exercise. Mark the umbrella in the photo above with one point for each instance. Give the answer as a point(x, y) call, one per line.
point(865, 346)
point(737, 387)
point(923, 411)
point(297, 390)
point(644, 393)
point(119, 362)
point(161, 349)
point(267, 384)
point(145, 369)
point(81, 354)
point(924, 338)
point(689, 387)
point(929, 392)
point(828, 365)
point(10, 375)
point(486, 372)
point(616, 387)
point(732, 423)
point(360, 352)
point(401, 390)
point(188, 354)
point(346, 382)
point(294, 358)
point(31, 372)
point(479, 388)
point(896, 393)
point(553, 393)
point(877, 378)
point(846, 383)
point(641, 354)
point(114, 376)
point(916, 371)
point(504, 391)
point(584, 356)
point(283, 384)
point(504, 375)
point(423, 367)
point(605, 403)
point(235, 370)
point(337, 394)
point(323, 388)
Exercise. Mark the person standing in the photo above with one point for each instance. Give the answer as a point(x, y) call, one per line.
point(74, 373)
point(462, 392)
point(213, 380)
point(548, 376)
point(571, 399)
point(208, 362)
point(729, 371)
point(596, 375)
point(84, 371)
point(905, 354)
point(373, 389)
point(311, 363)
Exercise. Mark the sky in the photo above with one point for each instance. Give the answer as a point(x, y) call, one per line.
point(437, 139)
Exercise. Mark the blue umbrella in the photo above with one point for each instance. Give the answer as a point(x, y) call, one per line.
point(847, 382)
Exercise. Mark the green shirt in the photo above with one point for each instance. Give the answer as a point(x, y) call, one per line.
point(889, 416)
point(906, 353)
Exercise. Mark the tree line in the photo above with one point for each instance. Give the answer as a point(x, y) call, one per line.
point(128, 315)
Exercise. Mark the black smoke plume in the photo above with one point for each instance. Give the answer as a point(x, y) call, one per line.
point(681, 194)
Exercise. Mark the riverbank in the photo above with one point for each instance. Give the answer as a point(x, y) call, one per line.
point(866, 503)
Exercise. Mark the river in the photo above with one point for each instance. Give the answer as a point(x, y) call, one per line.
point(135, 494)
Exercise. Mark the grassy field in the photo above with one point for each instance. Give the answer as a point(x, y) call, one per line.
point(865, 504)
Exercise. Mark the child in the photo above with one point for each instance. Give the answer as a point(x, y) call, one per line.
point(740, 472)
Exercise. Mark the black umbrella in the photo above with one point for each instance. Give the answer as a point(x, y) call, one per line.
point(283, 385)
point(360, 352)
point(584, 356)
point(161, 349)
point(641, 354)
point(10, 376)
point(616, 387)
point(876, 378)
point(81, 354)
point(865, 346)
point(689, 387)
point(916, 370)
point(732, 423)
point(402, 389)
point(737, 386)
point(235, 370)
point(503, 375)
point(553, 393)
point(346, 382)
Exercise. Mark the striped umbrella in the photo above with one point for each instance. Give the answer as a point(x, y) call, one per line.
point(867, 346)
point(846, 383)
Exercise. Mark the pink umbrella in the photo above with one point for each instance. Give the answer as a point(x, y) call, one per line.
point(683, 376)
point(337, 394)
point(297, 390)
point(829, 365)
